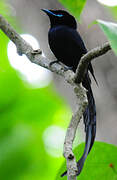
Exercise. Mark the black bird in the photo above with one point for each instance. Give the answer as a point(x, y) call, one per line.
point(68, 47)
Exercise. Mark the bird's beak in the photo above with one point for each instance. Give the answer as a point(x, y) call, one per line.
point(48, 12)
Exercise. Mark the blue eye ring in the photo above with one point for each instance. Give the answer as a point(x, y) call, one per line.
point(59, 15)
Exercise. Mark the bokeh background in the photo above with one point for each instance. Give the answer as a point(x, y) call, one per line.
point(36, 105)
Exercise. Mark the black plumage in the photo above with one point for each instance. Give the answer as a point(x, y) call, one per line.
point(68, 47)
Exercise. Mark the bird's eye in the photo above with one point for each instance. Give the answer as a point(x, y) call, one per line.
point(59, 15)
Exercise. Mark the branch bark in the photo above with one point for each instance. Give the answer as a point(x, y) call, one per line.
point(71, 131)
point(36, 57)
point(87, 58)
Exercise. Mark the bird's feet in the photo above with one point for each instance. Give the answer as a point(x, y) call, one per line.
point(66, 68)
point(53, 62)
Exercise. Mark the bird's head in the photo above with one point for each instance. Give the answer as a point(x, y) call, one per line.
point(61, 17)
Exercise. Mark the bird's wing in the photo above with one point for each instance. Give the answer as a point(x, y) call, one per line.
point(67, 45)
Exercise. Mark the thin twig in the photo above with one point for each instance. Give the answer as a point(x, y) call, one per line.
point(87, 58)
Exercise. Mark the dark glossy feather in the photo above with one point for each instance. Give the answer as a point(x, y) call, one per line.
point(66, 47)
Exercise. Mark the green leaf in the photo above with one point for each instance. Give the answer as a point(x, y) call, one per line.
point(74, 6)
point(110, 30)
point(113, 11)
point(4, 9)
point(100, 164)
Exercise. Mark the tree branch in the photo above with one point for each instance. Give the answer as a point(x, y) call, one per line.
point(36, 57)
point(71, 131)
point(87, 58)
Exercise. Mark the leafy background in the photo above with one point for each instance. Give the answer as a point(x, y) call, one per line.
point(25, 114)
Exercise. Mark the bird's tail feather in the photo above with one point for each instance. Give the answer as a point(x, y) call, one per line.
point(90, 112)
point(90, 124)
point(89, 121)
point(80, 163)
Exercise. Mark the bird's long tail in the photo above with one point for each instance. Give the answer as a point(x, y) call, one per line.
point(90, 124)
point(89, 121)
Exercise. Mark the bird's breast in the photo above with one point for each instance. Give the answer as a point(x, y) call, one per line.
point(64, 44)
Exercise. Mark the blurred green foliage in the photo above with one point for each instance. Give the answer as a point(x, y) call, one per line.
point(25, 114)
point(74, 6)
point(100, 164)
point(113, 11)
point(110, 30)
